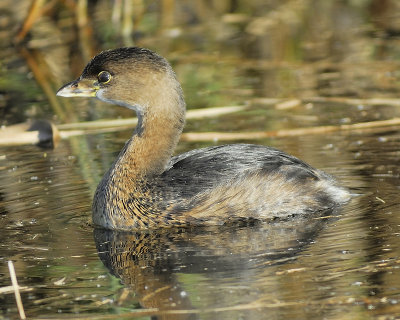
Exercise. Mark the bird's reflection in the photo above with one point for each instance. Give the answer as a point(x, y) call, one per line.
point(149, 261)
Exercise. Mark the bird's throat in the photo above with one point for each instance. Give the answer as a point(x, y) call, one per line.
point(149, 150)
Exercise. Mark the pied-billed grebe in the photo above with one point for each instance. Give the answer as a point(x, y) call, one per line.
point(146, 188)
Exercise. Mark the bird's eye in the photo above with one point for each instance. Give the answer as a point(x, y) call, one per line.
point(104, 77)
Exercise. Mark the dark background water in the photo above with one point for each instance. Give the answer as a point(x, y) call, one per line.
point(290, 64)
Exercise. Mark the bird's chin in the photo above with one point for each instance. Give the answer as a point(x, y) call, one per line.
point(102, 95)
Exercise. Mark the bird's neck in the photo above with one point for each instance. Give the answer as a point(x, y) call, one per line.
point(149, 150)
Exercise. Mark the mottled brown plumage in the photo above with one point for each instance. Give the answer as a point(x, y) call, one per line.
point(146, 188)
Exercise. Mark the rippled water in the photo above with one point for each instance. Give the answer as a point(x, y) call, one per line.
point(342, 266)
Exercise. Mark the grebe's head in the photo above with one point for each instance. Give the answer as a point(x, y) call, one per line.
point(131, 77)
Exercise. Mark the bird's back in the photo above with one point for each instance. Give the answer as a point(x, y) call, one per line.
point(242, 181)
